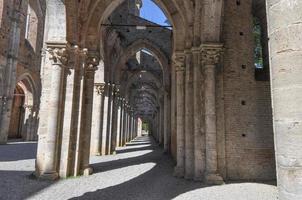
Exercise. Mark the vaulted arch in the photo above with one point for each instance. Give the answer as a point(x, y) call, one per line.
point(156, 52)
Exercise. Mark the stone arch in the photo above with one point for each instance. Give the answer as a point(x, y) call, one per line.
point(156, 52)
point(30, 85)
point(101, 10)
point(24, 110)
point(134, 78)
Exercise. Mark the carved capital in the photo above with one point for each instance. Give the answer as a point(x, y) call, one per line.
point(179, 61)
point(92, 62)
point(211, 53)
point(117, 90)
point(58, 56)
point(100, 88)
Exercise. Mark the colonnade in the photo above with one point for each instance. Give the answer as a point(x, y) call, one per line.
point(196, 132)
point(114, 120)
point(71, 101)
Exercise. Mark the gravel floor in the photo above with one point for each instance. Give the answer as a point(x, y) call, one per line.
point(139, 171)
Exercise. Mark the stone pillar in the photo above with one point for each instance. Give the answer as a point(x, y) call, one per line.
point(109, 118)
point(67, 154)
point(167, 122)
point(105, 118)
point(86, 116)
point(210, 57)
point(71, 92)
point(121, 129)
point(189, 125)
point(125, 128)
point(130, 125)
point(118, 128)
point(27, 130)
point(179, 63)
point(285, 42)
point(115, 104)
point(199, 137)
point(97, 120)
point(49, 129)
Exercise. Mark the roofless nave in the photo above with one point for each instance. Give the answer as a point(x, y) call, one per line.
point(219, 89)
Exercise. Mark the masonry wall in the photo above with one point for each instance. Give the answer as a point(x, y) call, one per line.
point(249, 145)
point(28, 59)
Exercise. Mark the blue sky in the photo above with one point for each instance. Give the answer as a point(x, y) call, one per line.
point(153, 13)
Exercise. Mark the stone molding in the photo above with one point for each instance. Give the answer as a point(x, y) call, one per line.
point(211, 53)
point(179, 61)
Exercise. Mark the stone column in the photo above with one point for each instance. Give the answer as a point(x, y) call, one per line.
point(179, 63)
point(97, 121)
point(130, 125)
point(105, 118)
point(125, 126)
point(109, 118)
point(285, 42)
point(121, 129)
point(119, 118)
point(115, 103)
point(72, 76)
point(49, 130)
point(86, 116)
point(199, 137)
point(189, 111)
point(210, 57)
point(167, 122)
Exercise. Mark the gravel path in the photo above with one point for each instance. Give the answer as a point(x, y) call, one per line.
point(139, 171)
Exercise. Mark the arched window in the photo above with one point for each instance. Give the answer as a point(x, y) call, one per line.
point(151, 12)
point(261, 61)
point(258, 48)
point(31, 30)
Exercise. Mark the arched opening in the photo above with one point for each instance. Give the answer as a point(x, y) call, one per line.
point(32, 22)
point(137, 71)
point(17, 114)
point(24, 121)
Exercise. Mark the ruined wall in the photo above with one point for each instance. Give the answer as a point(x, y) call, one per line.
point(249, 145)
point(20, 53)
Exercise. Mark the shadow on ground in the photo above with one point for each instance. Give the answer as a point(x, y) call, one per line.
point(14, 151)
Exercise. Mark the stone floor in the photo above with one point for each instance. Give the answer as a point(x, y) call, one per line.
point(139, 171)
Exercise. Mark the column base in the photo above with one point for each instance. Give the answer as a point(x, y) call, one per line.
point(179, 172)
point(214, 179)
point(88, 171)
point(49, 176)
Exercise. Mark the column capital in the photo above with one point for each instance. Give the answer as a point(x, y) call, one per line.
point(100, 87)
point(179, 61)
point(117, 90)
point(211, 53)
point(92, 62)
point(58, 53)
